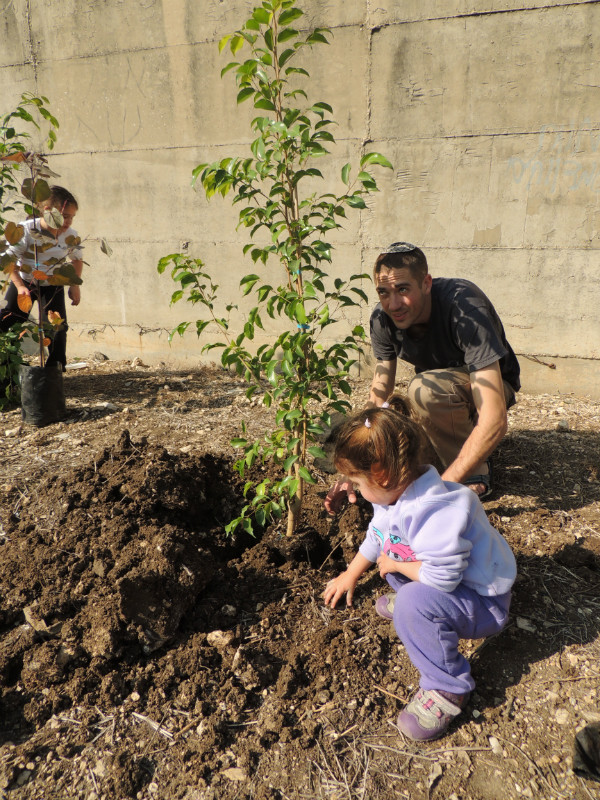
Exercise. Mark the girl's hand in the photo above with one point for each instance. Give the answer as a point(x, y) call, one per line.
point(336, 588)
point(386, 564)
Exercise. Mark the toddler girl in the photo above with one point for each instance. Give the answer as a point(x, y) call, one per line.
point(450, 570)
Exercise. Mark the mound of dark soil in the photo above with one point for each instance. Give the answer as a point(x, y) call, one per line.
point(144, 655)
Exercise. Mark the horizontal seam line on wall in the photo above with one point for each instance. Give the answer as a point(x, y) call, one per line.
point(372, 28)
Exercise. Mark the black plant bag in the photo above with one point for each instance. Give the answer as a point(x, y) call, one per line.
point(42, 394)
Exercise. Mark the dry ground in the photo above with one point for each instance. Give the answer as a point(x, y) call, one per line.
point(143, 655)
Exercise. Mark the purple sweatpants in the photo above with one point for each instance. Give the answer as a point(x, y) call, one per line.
point(430, 623)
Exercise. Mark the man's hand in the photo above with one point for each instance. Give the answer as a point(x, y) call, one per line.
point(340, 491)
point(490, 402)
point(75, 295)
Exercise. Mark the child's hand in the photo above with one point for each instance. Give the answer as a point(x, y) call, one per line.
point(75, 295)
point(336, 588)
point(386, 564)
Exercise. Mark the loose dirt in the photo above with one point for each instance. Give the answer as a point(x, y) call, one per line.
point(145, 655)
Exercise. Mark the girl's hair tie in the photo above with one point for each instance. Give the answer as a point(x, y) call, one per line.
point(385, 405)
point(367, 423)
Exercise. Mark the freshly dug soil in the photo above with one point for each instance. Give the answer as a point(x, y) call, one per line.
point(143, 654)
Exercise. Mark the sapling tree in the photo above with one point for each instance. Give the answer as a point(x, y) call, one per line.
point(24, 180)
point(303, 372)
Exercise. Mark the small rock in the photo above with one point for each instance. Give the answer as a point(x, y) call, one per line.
point(137, 362)
point(65, 654)
point(229, 611)
point(99, 568)
point(220, 639)
point(78, 365)
point(23, 777)
point(562, 425)
point(495, 745)
point(107, 406)
point(525, 625)
point(98, 356)
point(235, 774)
point(100, 769)
point(12, 432)
point(562, 716)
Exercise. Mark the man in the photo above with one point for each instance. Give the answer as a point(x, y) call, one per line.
point(467, 374)
point(54, 249)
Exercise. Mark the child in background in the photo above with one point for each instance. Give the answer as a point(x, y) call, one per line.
point(450, 570)
point(54, 249)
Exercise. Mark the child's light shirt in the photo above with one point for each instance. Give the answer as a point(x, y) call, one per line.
point(443, 525)
point(55, 249)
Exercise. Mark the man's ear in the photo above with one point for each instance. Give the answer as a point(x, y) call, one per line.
point(427, 283)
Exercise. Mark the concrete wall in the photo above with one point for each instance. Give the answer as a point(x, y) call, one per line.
point(488, 110)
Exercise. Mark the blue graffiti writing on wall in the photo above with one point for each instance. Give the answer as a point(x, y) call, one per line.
point(566, 159)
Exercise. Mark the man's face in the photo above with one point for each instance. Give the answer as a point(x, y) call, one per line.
point(404, 300)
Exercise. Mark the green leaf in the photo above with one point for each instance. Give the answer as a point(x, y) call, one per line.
point(223, 42)
point(244, 94)
point(305, 475)
point(356, 201)
point(237, 42)
point(285, 35)
point(231, 65)
point(290, 461)
point(267, 105)
point(346, 174)
point(316, 36)
point(262, 16)
point(322, 107)
point(290, 15)
point(375, 158)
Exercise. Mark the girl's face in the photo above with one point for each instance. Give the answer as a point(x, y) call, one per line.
point(375, 493)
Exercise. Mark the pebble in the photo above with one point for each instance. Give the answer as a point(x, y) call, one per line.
point(496, 746)
point(23, 777)
point(525, 625)
point(235, 774)
point(562, 716)
point(12, 432)
point(107, 406)
point(220, 639)
point(562, 425)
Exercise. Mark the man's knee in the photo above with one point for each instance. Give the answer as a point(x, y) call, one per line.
point(427, 390)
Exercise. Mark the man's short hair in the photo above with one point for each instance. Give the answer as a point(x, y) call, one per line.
point(61, 197)
point(402, 255)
